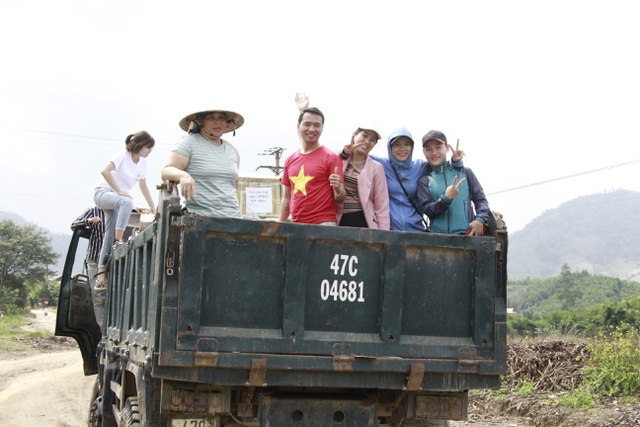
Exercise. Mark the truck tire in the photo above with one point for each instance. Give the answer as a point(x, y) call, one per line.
point(94, 406)
point(131, 412)
point(96, 417)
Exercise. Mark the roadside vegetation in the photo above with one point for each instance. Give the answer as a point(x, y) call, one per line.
point(9, 330)
point(25, 257)
point(568, 380)
point(17, 338)
point(574, 352)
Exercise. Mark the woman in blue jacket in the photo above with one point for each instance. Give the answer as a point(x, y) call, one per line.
point(402, 171)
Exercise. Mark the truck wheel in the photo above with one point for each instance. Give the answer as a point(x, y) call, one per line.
point(96, 417)
point(131, 412)
point(94, 407)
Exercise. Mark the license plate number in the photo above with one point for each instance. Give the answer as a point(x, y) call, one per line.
point(191, 422)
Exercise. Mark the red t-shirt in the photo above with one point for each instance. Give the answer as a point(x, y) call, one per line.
point(308, 177)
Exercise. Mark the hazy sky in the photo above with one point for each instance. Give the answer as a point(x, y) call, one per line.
point(534, 90)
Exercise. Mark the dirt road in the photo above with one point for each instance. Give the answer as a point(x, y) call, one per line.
point(47, 389)
point(50, 390)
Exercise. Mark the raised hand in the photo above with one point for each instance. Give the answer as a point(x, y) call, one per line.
point(452, 191)
point(457, 154)
point(351, 147)
point(302, 102)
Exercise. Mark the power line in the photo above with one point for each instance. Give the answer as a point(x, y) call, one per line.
point(564, 177)
point(59, 134)
point(42, 196)
point(65, 137)
point(84, 139)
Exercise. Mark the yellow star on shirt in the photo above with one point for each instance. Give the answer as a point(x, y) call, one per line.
point(300, 182)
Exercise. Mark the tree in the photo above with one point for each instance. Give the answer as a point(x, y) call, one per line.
point(617, 289)
point(45, 291)
point(25, 253)
point(568, 291)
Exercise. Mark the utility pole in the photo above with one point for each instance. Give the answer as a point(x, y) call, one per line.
point(277, 152)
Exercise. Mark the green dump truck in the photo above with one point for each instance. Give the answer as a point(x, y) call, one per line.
point(230, 322)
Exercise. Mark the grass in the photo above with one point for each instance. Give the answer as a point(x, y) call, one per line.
point(10, 325)
point(577, 399)
point(526, 388)
point(12, 329)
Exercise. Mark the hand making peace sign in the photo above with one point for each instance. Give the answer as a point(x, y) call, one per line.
point(457, 154)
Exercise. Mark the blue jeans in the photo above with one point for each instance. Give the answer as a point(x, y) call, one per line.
point(117, 210)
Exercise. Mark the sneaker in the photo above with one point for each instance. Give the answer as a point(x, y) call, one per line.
point(117, 244)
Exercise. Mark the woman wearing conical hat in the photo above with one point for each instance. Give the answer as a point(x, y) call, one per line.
point(205, 165)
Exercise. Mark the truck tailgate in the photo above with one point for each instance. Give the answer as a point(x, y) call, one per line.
point(299, 297)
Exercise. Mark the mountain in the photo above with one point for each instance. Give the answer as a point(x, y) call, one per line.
point(596, 233)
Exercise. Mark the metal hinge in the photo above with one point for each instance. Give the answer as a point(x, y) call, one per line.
point(468, 360)
point(343, 362)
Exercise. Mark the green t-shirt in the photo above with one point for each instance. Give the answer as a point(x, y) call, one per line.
point(215, 171)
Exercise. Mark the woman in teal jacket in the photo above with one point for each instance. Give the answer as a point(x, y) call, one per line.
point(450, 196)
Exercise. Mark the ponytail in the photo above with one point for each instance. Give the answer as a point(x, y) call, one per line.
point(129, 142)
point(137, 141)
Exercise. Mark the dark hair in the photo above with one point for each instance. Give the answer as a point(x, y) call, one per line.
point(137, 141)
point(312, 110)
point(200, 117)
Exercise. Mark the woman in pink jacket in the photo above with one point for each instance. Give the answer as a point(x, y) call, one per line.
point(367, 201)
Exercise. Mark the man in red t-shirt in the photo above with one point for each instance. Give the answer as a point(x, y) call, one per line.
point(313, 177)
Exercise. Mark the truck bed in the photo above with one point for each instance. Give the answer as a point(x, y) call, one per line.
point(244, 299)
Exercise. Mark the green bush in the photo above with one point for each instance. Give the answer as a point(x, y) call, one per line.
point(577, 399)
point(518, 325)
point(586, 322)
point(526, 388)
point(614, 367)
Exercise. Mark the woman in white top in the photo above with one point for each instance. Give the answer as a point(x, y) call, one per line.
point(120, 175)
point(205, 165)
